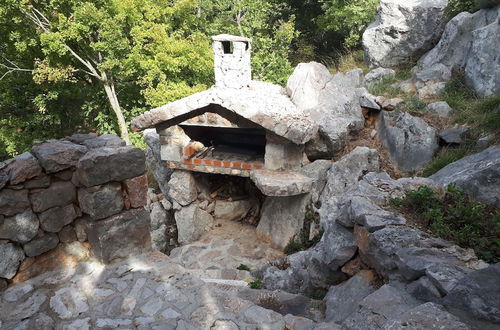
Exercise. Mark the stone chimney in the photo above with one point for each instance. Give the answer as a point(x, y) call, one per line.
point(232, 61)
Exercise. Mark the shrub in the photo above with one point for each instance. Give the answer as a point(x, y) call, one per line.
point(455, 216)
point(455, 7)
point(257, 284)
point(243, 267)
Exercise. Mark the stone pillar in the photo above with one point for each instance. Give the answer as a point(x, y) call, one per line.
point(282, 154)
point(232, 61)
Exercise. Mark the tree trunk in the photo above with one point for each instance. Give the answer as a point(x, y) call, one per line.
point(113, 101)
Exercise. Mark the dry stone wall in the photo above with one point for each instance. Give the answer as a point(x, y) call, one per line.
point(84, 187)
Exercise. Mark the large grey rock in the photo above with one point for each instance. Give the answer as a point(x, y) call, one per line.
point(477, 294)
point(13, 202)
point(192, 222)
point(337, 246)
point(21, 168)
point(428, 316)
point(153, 160)
point(445, 276)
point(107, 164)
point(378, 308)
point(331, 101)
point(120, 236)
point(57, 155)
point(342, 300)
point(424, 290)
point(41, 244)
point(58, 194)
point(466, 45)
point(478, 175)
point(378, 75)
point(12, 256)
point(410, 141)
point(182, 187)
point(317, 170)
point(101, 201)
point(54, 219)
point(20, 228)
point(343, 174)
point(282, 219)
point(105, 140)
point(163, 228)
point(232, 210)
point(441, 109)
point(404, 29)
point(453, 135)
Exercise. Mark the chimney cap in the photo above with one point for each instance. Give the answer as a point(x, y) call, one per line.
point(228, 37)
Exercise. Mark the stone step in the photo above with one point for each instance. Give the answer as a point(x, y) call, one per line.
point(221, 274)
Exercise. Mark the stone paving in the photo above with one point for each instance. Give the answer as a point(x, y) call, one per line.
point(145, 292)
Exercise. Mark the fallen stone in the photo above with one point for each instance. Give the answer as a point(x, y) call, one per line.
point(423, 289)
point(378, 76)
point(282, 219)
point(403, 30)
point(13, 202)
point(192, 222)
point(232, 210)
point(477, 293)
point(478, 175)
point(20, 228)
point(136, 190)
point(410, 141)
point(107, 164)
point(426, 316)
point(67, 235)
point(101, 201)
point(107, 236)
point(22, 167)
point(342, 300)
point(453, 135)
point(441, 109)
point(41, 245)
point(105, 140)
point(182, 187)
point(54, 219)
point(445, 276)
point(60, 193)
point(12, 256)
point(58, 155)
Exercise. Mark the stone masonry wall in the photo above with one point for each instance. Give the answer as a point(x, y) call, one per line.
point(85, 187)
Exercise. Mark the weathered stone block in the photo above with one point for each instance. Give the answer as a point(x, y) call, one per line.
point(283, 156)
point(41, 245)
point(58, 194)
point(107, 164)
point(13, 201)
point(105, 140)
point(101, 201)
point(232, 210)
point(67, 235)
point(57, 155)
point(54, 219)
point(12, 256)
point(39, 182)
point(22, 167)
point(136, 190)
point(19, 228)
point(192, 222)
point(121, 236)
point(182, 187)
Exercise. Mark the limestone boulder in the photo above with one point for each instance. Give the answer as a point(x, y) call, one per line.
point(105, 140)
point(153, 160)
point(58, 155)
point(441, 109)
point(403, 30)
point(106, 164)
point(101, 201)
point(107, 236)
point(182, 187)
point(477, 294)
point(424, 290)
point(60, 193)
point(410, 141)
point(21, 168)
point(478, 175)
point(317, 170)
point(378, 75)
point(20, 228)
point(192, 222)
point(342, 300)
point(232, 210)
point(445, 276)
point(54, 219)
point(41, 244)
point(12, 256)
point(13, 202)
point(453, 135)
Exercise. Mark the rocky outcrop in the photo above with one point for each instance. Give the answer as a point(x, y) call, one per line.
point(153, 160)
point(378, 75)
point(403, 30)
point(466, 45)
point(331, 101)
point(478, 175)
point(410, 141)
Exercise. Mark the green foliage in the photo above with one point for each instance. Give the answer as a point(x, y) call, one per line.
point(243, 267)
point(257, 284)
point(302, 242)
point(349, 18)
point(455, 216)
point(413, 105)
point(455, 7)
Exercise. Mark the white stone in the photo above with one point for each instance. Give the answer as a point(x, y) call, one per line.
point(169, 313)
point(80, 324)
point(152, 306)
point(112, 323)
point(14, 293)
point(68, 303)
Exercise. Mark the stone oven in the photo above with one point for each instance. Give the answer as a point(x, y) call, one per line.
point(237, 127)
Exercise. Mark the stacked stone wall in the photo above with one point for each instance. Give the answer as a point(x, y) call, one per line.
point(82, 188)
